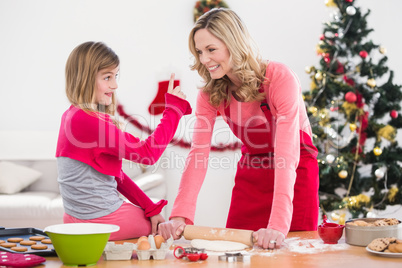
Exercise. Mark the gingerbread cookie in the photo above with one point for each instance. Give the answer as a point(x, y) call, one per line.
point(378, 244)
point(36, 238)
point(398, 248)
point(39, 247)
point(392, 248)
point(8, 245)
point(19, 249)
point(46, 241)
point(15, 239)
point(2, 241)
point(27, 242)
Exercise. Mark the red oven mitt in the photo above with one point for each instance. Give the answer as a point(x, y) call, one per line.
point(20, 260)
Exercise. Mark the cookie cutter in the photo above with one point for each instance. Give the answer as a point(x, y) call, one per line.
point(192, 254)
point(235, 257)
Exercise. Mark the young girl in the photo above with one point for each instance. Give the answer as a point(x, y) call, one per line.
point(91, 147)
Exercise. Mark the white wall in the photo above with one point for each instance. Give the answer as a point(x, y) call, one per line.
point(151, 39)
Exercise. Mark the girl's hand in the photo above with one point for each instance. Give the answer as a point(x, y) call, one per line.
point(173, 228)
point(175, 91)
point(269, 238)
point(155, 221)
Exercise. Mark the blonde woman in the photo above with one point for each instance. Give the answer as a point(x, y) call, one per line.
point(276, 184)
point(91, 147)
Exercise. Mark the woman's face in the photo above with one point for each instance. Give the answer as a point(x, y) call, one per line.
point(106, 84)
point(213, 54)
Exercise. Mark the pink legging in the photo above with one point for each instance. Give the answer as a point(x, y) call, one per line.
point(130, 218)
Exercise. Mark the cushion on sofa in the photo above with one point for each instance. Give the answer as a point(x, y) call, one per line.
point(14, 178)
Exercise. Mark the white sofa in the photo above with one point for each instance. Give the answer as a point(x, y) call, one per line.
point(40, 204)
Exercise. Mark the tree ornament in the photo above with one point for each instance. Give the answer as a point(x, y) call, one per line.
point(350, 97)
point(349, 1)
point(318, 76)
point(330, 3)
point(351, 10)
point(330, 158)
point(393, 114)
point(313, 110)
point(371, 214)
point(379, 173)
point(392, 193)
point(371, 82)
point(309, 69)
point(352, 127)
point(387, 132)
point(343, 174)
point(377, 151)
point(382, 50)
point(363, 54)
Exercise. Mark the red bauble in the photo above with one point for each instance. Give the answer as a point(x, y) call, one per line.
point(349, 1)
point(363, 54)
point(322, 37)
point(350, 97)
point(393, 114)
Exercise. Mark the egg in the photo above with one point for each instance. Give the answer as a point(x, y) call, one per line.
point(158, 241)
point(143, 245)
point(142, 238)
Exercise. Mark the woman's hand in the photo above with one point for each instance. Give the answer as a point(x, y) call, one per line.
point(155, 221)
point(175, 91)
point(269, 238)
point(173, 228)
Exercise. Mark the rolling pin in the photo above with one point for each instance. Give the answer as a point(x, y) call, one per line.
point(225, 234)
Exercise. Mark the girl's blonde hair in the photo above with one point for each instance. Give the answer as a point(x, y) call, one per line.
point(82, 66)
point(245, 60)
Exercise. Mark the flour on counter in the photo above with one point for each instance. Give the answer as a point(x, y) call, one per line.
point(303, 246)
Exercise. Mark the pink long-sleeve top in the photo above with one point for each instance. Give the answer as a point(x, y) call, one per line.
point(283, 92)
point(93, 139)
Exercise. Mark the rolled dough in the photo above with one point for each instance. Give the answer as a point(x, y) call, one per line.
point(218, 245)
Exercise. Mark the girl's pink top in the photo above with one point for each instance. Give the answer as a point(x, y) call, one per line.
point(283, 92)
point(93, 139)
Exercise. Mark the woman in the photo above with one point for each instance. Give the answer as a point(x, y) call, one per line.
point(276, 184)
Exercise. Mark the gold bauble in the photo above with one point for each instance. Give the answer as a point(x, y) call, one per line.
point(377, 151)
point(352, 127)
point(318, 76)
point(371, 82)
point(343, 174)
point(313, 110)
point(383, 50)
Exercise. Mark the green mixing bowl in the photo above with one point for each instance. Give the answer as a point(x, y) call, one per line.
point(80, 243)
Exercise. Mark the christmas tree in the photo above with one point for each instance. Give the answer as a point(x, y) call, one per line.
point(353, 106)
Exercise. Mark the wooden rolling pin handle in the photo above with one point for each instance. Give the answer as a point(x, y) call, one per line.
point(209, 233)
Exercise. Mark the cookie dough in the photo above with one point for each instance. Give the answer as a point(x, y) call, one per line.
point(217, 245)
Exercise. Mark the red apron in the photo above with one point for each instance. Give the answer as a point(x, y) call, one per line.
point(252, 193)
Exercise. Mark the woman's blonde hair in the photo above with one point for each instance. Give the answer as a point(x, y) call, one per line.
point(245, 60)
point(82, 66)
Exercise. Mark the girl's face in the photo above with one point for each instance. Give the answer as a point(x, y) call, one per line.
point(105, 86)
point(213, 54)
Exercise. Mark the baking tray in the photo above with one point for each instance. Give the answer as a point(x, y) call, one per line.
point(25, 233)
